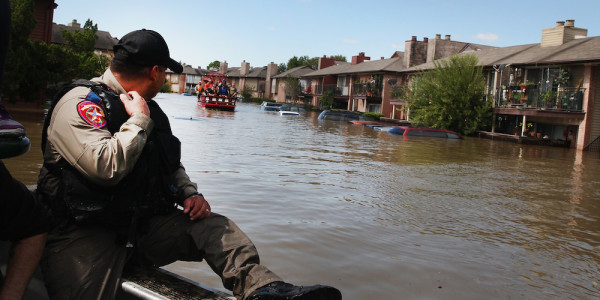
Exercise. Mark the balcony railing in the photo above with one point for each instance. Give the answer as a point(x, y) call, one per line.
point(318, 89)
point(366, 89)
point(337, 90)
point(566, 99)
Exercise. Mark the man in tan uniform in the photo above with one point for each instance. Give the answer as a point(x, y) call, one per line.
point(111, 164)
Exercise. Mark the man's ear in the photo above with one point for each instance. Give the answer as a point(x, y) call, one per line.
point(154, 72)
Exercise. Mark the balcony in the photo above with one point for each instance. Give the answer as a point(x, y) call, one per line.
point(567, 99)
point(366, 89)
point(339, 91)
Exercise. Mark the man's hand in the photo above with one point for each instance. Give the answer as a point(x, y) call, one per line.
point(134, 103)
point(197, 207)
point(24, 258)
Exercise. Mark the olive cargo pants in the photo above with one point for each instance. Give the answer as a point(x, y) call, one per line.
point(77, 258)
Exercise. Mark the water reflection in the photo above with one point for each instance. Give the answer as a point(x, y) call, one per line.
point(380, 216)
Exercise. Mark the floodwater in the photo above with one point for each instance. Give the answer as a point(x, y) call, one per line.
point(384, 217)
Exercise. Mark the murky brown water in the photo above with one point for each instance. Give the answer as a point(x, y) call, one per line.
point(382, 217)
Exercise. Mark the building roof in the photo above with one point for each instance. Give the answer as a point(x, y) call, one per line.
point(187, 69)
point(104, 41)
point(369, 66)
point(233, 72)
point(578, 50)
point(295, 72)
point(258, 72)
point(190, 71)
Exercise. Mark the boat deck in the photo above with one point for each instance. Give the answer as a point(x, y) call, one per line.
point(156, 283)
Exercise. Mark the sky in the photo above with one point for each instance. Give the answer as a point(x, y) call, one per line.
point(199, 32)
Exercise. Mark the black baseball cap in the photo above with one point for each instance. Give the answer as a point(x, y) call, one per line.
point(146, 48)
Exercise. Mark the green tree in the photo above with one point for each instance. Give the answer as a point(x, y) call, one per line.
point(326, 101)
point(214, 65)
point(166, 88)
point(31, 66)
point(292, 87)
point(339, 57)
point(22, 20)
point(18, 56)
point(81, 41)
point(303, 61)
point(281, 68)
point(451, 96)
point(311, 62)
point(246, 92)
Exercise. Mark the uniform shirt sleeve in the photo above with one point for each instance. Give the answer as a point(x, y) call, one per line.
point(183, 183)
point(102, 157)
point(21, 215)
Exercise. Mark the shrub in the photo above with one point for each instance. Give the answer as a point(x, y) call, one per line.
point(373, 116)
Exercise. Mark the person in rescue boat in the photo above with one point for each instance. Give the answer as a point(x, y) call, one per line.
point(23, 220)
point(111, 164)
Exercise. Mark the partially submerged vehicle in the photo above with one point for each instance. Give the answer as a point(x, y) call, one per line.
point(288, 113)
point(365, 123)
point(215, 92)
point(424, 132)
point(341, 115)
point(270, 106)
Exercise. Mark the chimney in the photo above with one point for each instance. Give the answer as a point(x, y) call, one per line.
point(447, 37)
point(325, 62)
point(271, 71)
point(223, 67)
point(415, 52)
point(438, 36)
point(74, 24)
point(245, 68)
point(570, 23)
point(359, 58)
point(562, 33)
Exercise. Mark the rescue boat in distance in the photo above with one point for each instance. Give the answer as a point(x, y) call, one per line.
point(215, 92)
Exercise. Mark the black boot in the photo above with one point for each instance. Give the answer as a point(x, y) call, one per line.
point(280, 290)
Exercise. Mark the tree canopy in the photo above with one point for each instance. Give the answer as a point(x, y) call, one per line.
point(451, 96)
point(215, 65)
point(32, 66)
point(81, 40)
point(292, 87)
point(313, 62)
point(281, 68)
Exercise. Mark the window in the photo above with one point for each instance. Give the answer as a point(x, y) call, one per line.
point(375, 108)
point(437, 134)
point(414, 133)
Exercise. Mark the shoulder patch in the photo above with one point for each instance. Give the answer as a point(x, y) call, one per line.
point(92, 113)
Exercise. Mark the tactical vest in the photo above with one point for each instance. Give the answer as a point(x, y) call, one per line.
point(147, 190)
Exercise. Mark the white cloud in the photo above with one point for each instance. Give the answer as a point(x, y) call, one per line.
point(489, 37)
point(271, 28)
point(349, 41)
